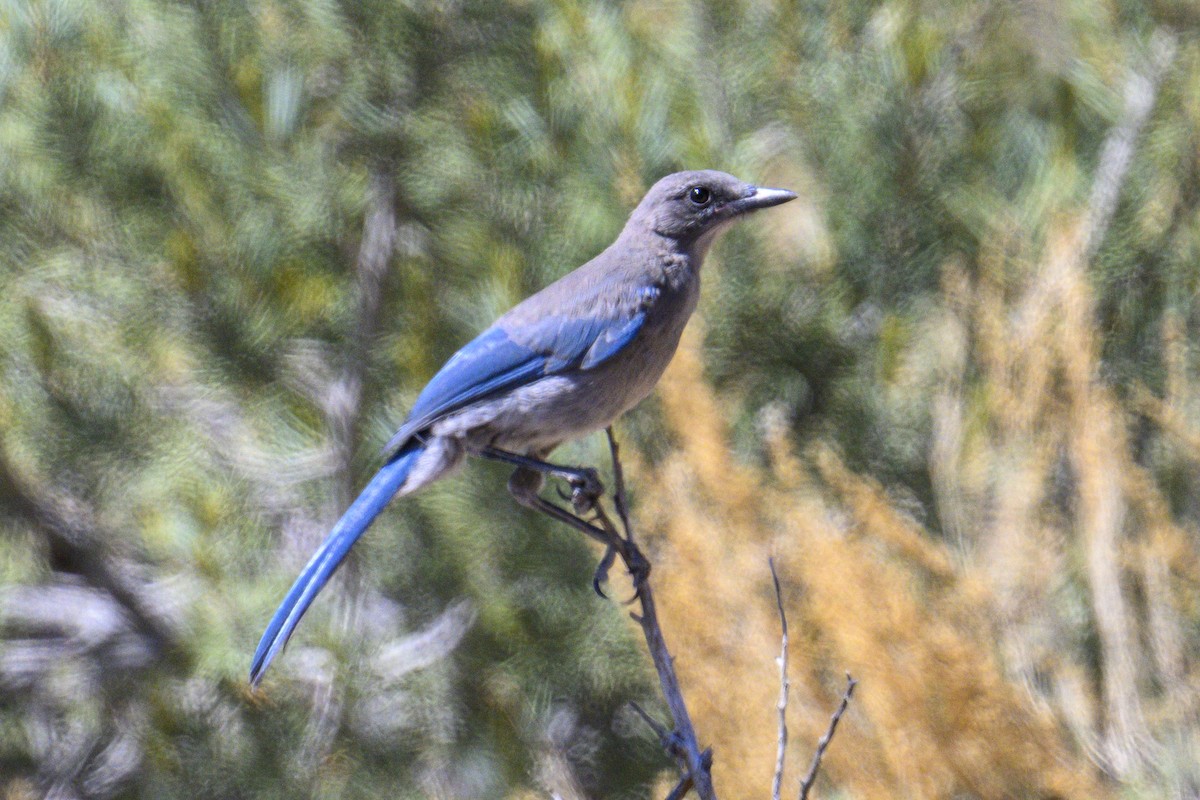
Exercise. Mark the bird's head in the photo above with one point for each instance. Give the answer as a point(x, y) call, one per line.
point(690, 207)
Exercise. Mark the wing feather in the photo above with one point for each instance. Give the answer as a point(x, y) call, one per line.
point(494, 362)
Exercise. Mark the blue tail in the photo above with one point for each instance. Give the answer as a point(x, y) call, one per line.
point(361, 513)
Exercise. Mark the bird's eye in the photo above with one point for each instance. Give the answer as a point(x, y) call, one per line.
point(699, 195)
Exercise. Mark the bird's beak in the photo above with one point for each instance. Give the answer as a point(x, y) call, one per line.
point(756, 198)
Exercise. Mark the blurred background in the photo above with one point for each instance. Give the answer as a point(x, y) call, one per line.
point(954, 390)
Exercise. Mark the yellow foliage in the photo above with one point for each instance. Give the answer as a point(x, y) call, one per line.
point(973, 678)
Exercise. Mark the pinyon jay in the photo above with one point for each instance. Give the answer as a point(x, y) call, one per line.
point(561, 364)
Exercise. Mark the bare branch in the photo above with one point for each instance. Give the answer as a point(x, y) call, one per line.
point(70, 526)
point(681, 789)
point(343, 401)
point(1126, 736)
point(695, 765)
point(806, 784)
point(784, 686)
point(1116, 154)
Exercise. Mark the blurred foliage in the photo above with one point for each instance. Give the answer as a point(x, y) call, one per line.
point(953, 387)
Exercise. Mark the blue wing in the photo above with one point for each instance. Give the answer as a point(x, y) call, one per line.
point(499, 359)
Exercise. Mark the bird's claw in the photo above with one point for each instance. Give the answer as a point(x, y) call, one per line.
point(602, 569)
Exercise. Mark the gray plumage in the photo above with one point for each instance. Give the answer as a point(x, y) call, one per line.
point(563, 363)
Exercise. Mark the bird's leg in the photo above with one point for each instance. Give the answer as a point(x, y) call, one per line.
point(586, 487)
point(579, 524)
point(525, 485)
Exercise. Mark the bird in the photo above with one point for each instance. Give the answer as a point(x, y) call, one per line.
point(565, 362)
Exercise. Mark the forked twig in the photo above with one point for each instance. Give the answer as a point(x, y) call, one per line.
point(665, 738)
point(784, 686)
point(685, 783)
point(806, 784)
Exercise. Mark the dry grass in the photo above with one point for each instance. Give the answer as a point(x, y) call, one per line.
point(1030, 657)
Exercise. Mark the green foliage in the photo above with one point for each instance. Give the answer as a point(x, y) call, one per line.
point(192, 383)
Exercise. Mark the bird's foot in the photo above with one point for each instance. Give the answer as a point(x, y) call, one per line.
point(586, 490)
point(635, 562)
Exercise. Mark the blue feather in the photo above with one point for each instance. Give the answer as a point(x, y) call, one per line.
point(489, 363)
point(499, 359)
point(373, 499)
point(611, 341)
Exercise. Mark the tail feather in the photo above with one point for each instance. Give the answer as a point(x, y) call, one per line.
point(373, 499)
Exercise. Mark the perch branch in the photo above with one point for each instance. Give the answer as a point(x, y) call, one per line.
point(698, 767)
point(681, 742)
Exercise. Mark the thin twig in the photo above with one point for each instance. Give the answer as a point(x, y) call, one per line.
point(681, 789)
point(1126, 731)
point(342, 406)
point(701, 778)
point(806, 784)
point(664, 736)
point(619, 498)
point(672, 745)
point(784, 686)
point(685, 783)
